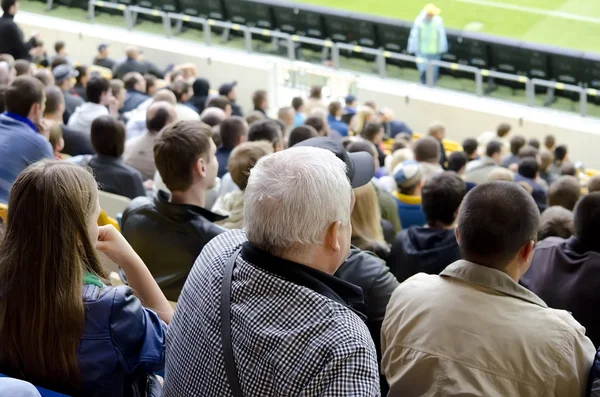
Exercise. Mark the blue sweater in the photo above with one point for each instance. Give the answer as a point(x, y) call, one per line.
point(20, 146)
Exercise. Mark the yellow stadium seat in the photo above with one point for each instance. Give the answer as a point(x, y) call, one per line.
point(102, 71)
point(104, 220)
point(3, 211)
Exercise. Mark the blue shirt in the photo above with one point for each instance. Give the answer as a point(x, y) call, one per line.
point(337, 125)
point(20, 146)
point(223, 154)
point(299, 119)
point(410, 210)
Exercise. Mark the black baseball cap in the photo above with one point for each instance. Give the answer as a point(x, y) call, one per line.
point(103, 46)
point(360, 168)
point(226, 88)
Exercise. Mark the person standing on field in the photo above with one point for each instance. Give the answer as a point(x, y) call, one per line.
point(428, 40)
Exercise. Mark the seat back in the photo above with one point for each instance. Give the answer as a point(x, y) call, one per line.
point(113, 204)
point(43, 392)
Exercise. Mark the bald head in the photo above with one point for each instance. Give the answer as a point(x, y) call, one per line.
point(132, 52)
point(165, 95)
point(213, 116)
point(4, 73)
point(158, 115)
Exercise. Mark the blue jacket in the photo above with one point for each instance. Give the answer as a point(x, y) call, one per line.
point(410, 210)
point(223, 154)
point(594, 381)
point(20, 146)
point(121, 341)
point(133, 99)
point(539, 193)
point(336, 125)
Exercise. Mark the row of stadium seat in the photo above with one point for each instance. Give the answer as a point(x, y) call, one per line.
point(466, 48)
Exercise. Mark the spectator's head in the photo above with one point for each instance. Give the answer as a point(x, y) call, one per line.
point(213, 116)
point(493, 150)
point(316, 91)
point(23, 67)
point(528, 151)
point(568, 169)
point(25, 97)
point(516, 143)
point(437, 130)
point(10, 7)
point(165, 95)
point(298, 104)
point(221, 102)
point(470, 148)
point(6, 73)
point(534, 142)
point(318, 124)
point(386, 115)
point(55, 104)
point(362, 145)
point(373, 132)
point(57, 61)
point(587, 220)
point(457, 162)
point(233, 131)
point(366, 218)
point(108, 136)
point(549, 142)
point(254, 116)
point(159, 115)
point(408, 178)
point(201, 87)
point(45, 77)
point(335, 109)
point(151, 84)
point(64, 75)
point(501, 174)
point(42, 277)
point(350, 101)
point(182, 91)
point(134, 81)
point(427, 150)
point(497, 227)
point(267, 130)
point(228, 91)
point(399, 156)
point(546, 159)
point(260, 100)
point(60, 48)
point(98, 91)
point(399, 144)
point(301, 133)
point(56, 138)
point(561, 154)
point(133, 52)
point(243, 158)
point(565, 192)
point(503, 130)
point(556, 222)
point(117, 89)
point(103, 50)
point(441, 197)
point(279, 216)
point(528, 168)
point(594, 184)
point(3, 89)
point(363, 115)
point(286, 115)
point(184, 154)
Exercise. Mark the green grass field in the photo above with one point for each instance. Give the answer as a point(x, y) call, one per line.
point(565, 23)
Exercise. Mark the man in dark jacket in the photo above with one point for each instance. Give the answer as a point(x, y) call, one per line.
point(134, 63)
point(230, 92)
point(529, 173)
point(102, 58)
point(431, 248)
point(11, 37)
point(168, 232)
point(135, 84)
point(564, 272)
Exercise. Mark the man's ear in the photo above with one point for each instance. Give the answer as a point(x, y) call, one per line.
point(526, 251)
point(457, 234)
point(332, 236)
point(200, 167)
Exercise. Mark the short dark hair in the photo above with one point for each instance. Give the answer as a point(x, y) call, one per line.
point(22, 94)
point(178, 148)
point(371, 130)
point(516, 143)
point(528, 151)
point(399, 144)
point(528, 167)
point(108, 136)
point(493, 147)
point(427, 149)
point(57, 61)
point(297, 103)
point(594, 184)
point(44, 76)
point(231, 130)
point(556, 222)
point(316, 91)
point(470, 146)
point(159, 119)
point(54, 98)
point(59, 45)
point(457, 161)
point(362, 145)
point(258, 98)
point(568, 169)
point(179, 88)
point(83, 71)
point(549, 141)
point(22, 67)
point(95, 88)
point(560, 152)
point(301, 133)
point(534, 142)
point(317, 123)
point(564, 192)
point(265, 130)
point(6, 4)
point(220, 102)
point(212, 118)
point(587, 219)
point(131, 79)
point(150, 81)
point(334, 108)
point(503, 129)
point(495, 220)
point(3, 89)
point(441, 196)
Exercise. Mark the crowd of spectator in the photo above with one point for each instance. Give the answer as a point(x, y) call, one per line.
point(327, 251)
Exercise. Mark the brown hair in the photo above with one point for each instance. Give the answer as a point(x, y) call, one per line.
point(565, 192)
point(177, 149)
point(54, 98)
point(594, 184)
point(243, 158)
point(334, 108)
point(254, 116)
point(503, 129)
point(258, 98)
point(366, 216)
point(22, 67)
point(316, 91)
point(56, 135)
point(22, 94)
point(427, 150)
point(108, 136)
point(549, 142)
point(43, 258)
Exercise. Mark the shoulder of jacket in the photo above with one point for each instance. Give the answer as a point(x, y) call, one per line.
point(138, 203)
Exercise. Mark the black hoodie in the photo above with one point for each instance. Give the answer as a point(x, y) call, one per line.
point(201, 89)
point(422, 250)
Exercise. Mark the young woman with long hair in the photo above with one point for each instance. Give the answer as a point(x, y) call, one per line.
point(364, 115)
point(62, 326)
point(367, 233)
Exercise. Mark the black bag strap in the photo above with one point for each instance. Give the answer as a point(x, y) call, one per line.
point(232, 378)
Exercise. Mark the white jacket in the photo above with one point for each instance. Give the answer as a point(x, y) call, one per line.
point(83, 117)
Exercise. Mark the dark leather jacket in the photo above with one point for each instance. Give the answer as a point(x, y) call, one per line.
point(168, 237)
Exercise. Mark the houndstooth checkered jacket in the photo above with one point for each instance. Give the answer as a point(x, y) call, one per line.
point(288, 340)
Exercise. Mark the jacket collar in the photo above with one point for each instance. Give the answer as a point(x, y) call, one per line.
point(6, 15)
point(581, 247)
point(22, 119)
point(100, 159)
point(487, 277)
point(406, 199)
point(161, 200)
point(332, 287)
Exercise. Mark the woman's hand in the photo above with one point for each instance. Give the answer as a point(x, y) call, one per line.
point(113, 244)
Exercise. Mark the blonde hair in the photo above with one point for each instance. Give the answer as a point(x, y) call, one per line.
point(366, 216)
point(399, 156)
point(362, 117)
point(501, 174)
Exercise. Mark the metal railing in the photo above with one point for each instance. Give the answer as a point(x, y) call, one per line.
point(332, 49)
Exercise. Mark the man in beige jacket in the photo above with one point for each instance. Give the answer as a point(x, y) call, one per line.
point(473, 330)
